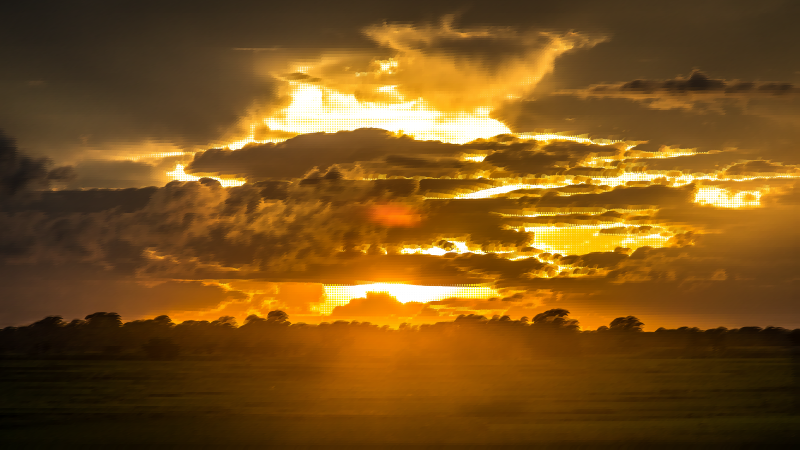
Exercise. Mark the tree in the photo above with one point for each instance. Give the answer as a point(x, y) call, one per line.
point(104, 320)
point(163, 320)
point(225, 321)
point(470, 320)
point(626, 324)
point(277, 316)
point(161, 349)
point(253, 321)
point(49, 322)
point(555, 319)
point(45, 335)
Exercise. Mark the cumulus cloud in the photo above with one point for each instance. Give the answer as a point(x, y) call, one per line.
point(296, 157)
point(440, 62)
point(314, 211)
point(377, 304)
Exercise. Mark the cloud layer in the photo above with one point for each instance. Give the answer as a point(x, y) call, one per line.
point(695, 222)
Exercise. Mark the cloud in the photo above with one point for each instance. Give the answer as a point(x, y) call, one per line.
point(297, 156)
point(543, 159)
point(626, 197)
point(87, 201)
point(114, 174)
point(32, 292)
point(596, 259)
point(759, 168)
point(21, 174)
point(377, 304)
point(96, 99)
point(696, 82)
point(740, 134)
point(441, 62)
point(448, 73)
point(697, 91)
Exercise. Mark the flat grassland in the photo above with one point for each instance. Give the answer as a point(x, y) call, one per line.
point(580, 402)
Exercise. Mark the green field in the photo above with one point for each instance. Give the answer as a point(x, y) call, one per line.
point(555, 403)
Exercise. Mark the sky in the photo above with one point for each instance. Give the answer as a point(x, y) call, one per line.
point(199, 160)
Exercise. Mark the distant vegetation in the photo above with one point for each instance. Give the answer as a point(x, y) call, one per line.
point(549, 334)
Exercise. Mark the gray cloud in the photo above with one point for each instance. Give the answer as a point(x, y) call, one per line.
point(295, 157)
point(20, 174)
point(114, 174)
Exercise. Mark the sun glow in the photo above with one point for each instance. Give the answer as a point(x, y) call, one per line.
point(723, 198)
point(179, 175)
point(341, 294)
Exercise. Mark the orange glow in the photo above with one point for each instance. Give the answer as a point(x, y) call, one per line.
point(395, 215)
point(341, 294)
point(179, 175)
point(723, 198)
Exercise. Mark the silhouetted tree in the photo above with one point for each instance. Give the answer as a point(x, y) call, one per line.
point(470, 320)
point(43, 336)
point(553, 333)
point(225, 322)
point(49, 322)
point(626, 324)
point(718, 337)
point(102, 331)
point(254, 321)
point(277, 317)
point(196, 335)
point(139, 332)
point(104, 320)
point(555, 319)
point(161, 349)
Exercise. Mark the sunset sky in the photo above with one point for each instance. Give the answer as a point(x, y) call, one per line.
point(498, 158)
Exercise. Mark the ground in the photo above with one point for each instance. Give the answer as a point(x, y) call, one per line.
point(583, 402)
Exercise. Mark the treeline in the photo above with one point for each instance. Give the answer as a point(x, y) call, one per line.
point(549, 334)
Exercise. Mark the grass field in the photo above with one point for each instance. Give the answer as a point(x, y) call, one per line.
point(556, 403)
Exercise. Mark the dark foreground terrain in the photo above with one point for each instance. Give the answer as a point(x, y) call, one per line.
point(610, 402)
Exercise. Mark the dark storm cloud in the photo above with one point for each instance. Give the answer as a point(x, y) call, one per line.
point(295, 157)
point(200, 230)
point(759, 168)
point(604, 260)
point(543, 159)
point(626, 197)
point(87, 201)
point(473, 218)
point(396, 188)
point(696, 163)
point(747, 136)
point(114, 174)
point(108, 99)
point(694, 91)
point(172, 78)
point(430, 187)
point(421, 163)
point(497, 266)
point(20, 174)
point(696, 82)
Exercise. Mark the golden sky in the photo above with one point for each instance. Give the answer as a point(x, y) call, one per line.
point(441, 167)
